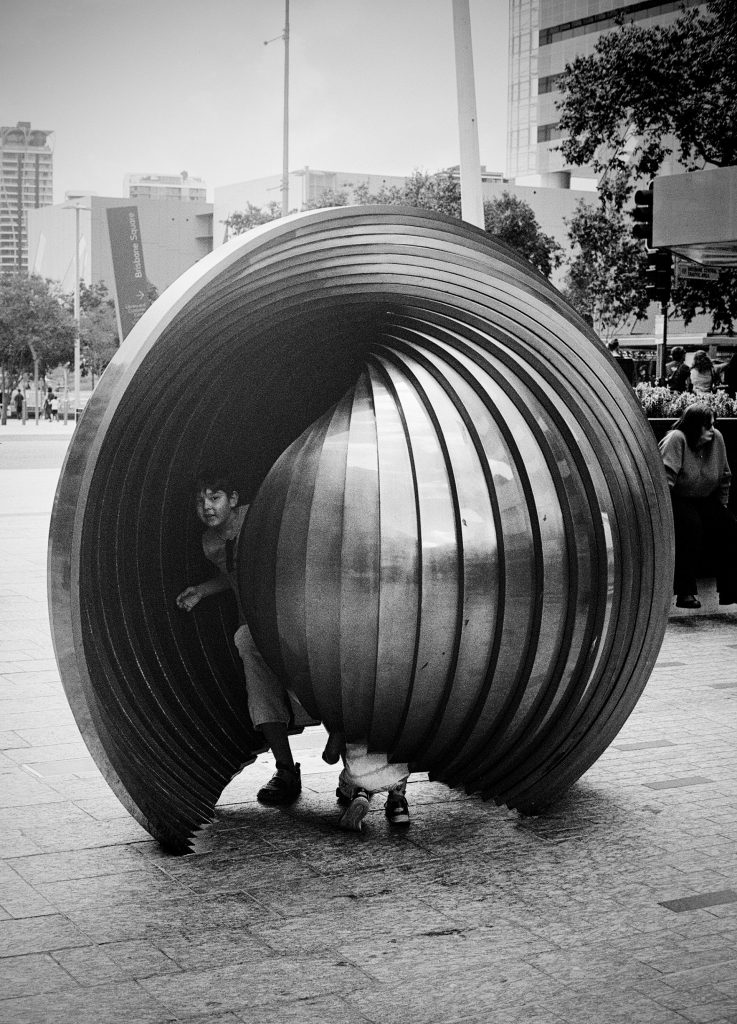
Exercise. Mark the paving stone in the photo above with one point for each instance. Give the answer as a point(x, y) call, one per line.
point(233, 988)
point(11, 741)
point(217, 873)
point(32, 974)
point(156, 917)
point(217, 947)
point(39, 934)
point(53, 867)
point(331, 1009)
point(349, 920)
point(125, 1003)
point(19, 899)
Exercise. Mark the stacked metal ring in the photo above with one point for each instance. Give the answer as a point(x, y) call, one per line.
point(460, 540)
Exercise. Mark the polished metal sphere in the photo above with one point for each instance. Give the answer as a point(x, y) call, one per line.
point(459, 545)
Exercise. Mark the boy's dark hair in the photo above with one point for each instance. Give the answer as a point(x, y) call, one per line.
point(216, 478)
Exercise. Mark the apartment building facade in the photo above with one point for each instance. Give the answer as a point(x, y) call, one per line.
point(26, 183)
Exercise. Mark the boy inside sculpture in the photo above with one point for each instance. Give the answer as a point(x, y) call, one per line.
point(217, 504)
point(218, 507)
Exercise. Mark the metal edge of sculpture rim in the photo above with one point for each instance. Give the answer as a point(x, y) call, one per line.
point(461, 533)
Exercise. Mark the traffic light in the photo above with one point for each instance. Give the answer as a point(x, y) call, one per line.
point(642, 215)
point(657, 276)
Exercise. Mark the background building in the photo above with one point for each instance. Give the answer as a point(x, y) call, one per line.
point(178, 187)
point(544, 36)
point(174, 235)
point(26, 183)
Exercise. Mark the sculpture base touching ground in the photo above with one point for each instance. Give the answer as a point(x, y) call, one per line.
point(460, 540)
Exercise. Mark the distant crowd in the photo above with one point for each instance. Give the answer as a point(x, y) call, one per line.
point(702, 376)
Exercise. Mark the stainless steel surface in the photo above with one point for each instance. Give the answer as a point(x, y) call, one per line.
point(464, 552)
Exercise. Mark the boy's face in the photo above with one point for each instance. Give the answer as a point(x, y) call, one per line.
point(215, 508)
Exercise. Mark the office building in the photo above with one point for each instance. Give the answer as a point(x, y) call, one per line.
point(544, 36)
point(174, 236)
point(177, 187)
point(26, 183)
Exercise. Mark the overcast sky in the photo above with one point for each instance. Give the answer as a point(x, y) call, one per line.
point(163, 86)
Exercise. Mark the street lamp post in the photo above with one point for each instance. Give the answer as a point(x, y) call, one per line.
point(285, 128)
point(77, 343)
point(285, 145)
point(77, 311)
point(472, 200)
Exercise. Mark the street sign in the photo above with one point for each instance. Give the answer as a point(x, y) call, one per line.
point(131, 285)
point(686, 270)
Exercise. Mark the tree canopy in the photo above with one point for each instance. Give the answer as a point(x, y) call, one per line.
point(513, 221)
point(645, 94)
point(34, 325)
point(507, 217)
point(648, 95)
point(606, 270)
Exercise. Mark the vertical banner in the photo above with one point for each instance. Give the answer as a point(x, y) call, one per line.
point(131, 299)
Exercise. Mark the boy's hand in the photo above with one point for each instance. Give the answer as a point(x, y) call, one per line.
point(189, 598)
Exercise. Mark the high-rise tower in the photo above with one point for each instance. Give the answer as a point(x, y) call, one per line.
point(544, 36)
point(26, 183)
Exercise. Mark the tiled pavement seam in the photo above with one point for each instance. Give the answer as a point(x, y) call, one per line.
point(613, 906)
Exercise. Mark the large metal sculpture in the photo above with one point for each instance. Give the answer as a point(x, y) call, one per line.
point(459, 545)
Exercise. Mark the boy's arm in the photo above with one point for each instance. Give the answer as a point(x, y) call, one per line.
point(193, 595)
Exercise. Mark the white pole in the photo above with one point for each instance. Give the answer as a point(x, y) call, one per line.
point(472, 200)
point(77, 353)
point(285, 147)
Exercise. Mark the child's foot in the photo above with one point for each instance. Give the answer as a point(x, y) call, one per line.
point(352, 818)
point(397, 810)
point(283, 787)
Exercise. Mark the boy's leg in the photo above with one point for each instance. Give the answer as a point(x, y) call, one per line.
point(270, 713)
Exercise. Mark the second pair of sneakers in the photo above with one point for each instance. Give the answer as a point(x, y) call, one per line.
point(396, 809)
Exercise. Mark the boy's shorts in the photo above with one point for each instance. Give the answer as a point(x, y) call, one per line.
point(267, 699)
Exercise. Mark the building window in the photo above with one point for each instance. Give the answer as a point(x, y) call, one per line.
point(608, 19)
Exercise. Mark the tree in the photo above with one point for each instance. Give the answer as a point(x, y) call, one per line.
point(647, 94)
point(36, 331)
point(606, 270)
point(98, 339)
point(98, 325)
point(243, 220)
point(513, 221)
point(506, 217)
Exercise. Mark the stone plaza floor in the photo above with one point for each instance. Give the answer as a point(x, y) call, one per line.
point(620, 904)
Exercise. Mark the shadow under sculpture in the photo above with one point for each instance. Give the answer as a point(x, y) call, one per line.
point(460, 546)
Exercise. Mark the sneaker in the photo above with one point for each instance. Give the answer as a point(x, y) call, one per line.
point(397, 810)
point(352, 818)
point(283, 787)
point(728, 598)
point(687, 601)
